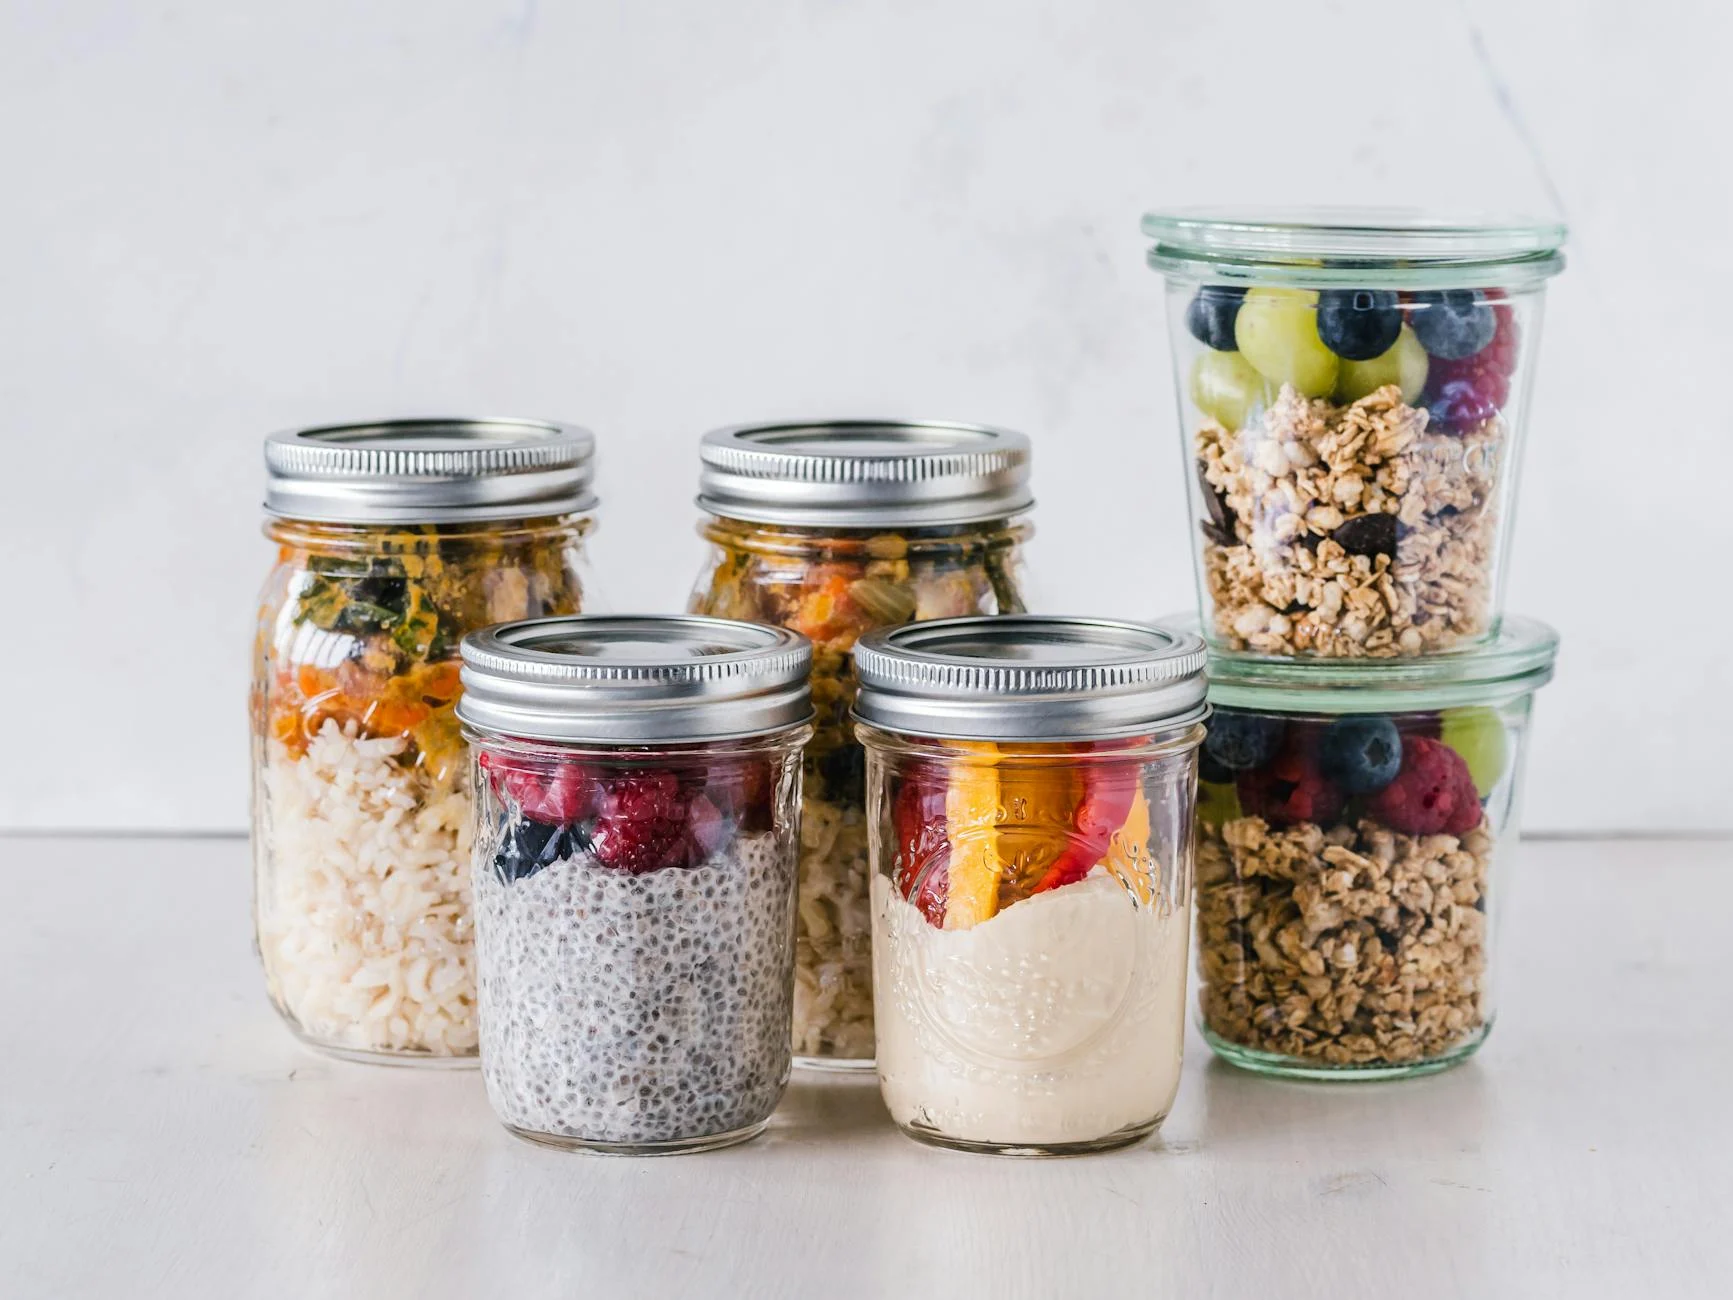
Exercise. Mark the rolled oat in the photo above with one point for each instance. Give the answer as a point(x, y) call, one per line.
point(1349, 531)
point(1352, 945)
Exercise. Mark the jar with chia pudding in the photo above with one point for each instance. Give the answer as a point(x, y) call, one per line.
point(836, 529)
point(1030, 785)
point(1353, 388)
point(1356, 827)
point(393, 540)
point(636, 821)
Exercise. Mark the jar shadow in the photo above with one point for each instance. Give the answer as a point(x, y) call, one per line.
point(829, 1107)
point(1241, 1110)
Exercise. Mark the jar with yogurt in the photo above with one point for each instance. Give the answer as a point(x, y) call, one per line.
point(1030, 787)
point(835, 529)
point(393, 541)
point(1356, 828)
point(636, 820)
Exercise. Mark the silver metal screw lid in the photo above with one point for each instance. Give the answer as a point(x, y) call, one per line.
point(429, 471)
point(627, 679)
point(864, 473)
point(1029, 677)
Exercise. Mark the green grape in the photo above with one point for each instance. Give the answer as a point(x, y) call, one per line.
point(1404, 363)
point(1217, 805)
point(1226, 387)
point(1277, 331)
point(1477, 733)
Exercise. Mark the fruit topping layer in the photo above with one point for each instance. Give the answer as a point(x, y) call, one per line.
point(977, 834)
point(632, 819)
point(1348, 461)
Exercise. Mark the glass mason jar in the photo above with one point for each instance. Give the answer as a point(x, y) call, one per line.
point(1030, 784)
point(834, 530)
point(1355, 827)
point(1352, 391)
point(393, 541)
point(637, 818)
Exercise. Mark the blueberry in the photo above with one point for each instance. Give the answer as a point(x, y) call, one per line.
point(1358, 324)
point(1242, 741)
point(1361, 754)
point(527, 847)
point(1454, 323)
point(1211, 315)
point(1210, 770)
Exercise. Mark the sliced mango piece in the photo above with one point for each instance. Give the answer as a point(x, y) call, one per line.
point(1037, 807)
point(971, 812)
point(1128, 852)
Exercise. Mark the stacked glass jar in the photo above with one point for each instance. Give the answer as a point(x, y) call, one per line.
point(835, 530)
point(1352, 394)
point(394, 540)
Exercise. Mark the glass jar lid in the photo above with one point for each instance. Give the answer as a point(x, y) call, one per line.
point(627, 679)
point(864, 473)
point(1516, 661)
point(1029, 677)
point(429, 471)
point(1326, 247)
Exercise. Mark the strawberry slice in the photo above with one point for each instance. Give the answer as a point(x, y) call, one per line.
point(1109, 791)
point(923, 858)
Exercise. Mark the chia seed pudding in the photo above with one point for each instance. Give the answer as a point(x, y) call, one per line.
point(634, 1009)
point(637, 830)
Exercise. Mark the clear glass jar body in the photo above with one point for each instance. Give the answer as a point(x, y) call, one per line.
point(361, 792)
point(634, 928)
point(1031, 910)
point(1346, 881)
point(833, 587)
point(1344, 507)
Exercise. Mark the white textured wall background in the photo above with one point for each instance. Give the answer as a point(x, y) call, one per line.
point(218, 220)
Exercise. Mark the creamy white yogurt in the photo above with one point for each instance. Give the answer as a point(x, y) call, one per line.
point(1060, 1020)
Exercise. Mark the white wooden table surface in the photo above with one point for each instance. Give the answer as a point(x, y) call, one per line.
point(162, 1135)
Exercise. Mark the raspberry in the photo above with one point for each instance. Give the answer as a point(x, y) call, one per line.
point(1291, 788)
point(552, 793)
point(1432, 792)
point(1464, 393)
point(641, 823)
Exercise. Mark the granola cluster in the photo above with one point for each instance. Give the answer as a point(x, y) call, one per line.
point(1350, 946)
point(1348, 531)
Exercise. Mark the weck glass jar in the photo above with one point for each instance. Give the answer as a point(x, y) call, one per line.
point(394, 540)
point(637, 817)
point(1353, 388)
point(1030, 785)
point(1355, 826)
point(833, 530)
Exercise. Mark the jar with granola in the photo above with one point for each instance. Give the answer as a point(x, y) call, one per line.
point(637, 810)
point(1353, 389)
point(1030, 792)
point(835, 529)
point(1356, 825)
point(394, 540)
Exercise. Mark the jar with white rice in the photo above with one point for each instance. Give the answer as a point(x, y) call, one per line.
point(394, 540)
